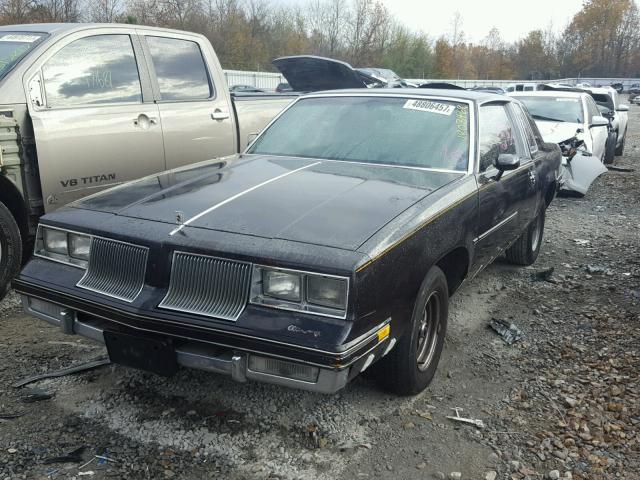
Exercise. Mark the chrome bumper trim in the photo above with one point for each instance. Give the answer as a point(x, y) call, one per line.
point(200, 356)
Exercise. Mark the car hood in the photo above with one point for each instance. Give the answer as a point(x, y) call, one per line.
point(308, 73)
point(556, 132)
point(330, 203)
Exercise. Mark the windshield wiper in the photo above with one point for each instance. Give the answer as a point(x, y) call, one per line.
point(548, 119)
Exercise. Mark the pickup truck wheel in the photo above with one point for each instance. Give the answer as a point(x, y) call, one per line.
point(409, 368)
point(10, 249)
point(526, 249)
point(620, 149)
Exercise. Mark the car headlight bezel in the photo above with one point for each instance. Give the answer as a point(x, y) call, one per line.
point(260, 295)
point(63, 252)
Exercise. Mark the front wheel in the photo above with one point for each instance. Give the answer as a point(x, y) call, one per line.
point(527, 247)
point(610, 148)
point(10, 249)
point(620, 148)
point(409, 368)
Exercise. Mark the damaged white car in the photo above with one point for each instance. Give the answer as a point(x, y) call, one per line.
point(573, 121)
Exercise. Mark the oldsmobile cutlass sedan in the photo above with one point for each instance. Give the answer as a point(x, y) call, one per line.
point(331, 246)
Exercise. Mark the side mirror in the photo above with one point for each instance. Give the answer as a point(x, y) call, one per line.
point(506, 161)
point(598, 121)
point(251, 137)
point(622, 108)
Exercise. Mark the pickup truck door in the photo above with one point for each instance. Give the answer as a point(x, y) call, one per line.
point(94, 120)
point(195, 106)
point(506, 205)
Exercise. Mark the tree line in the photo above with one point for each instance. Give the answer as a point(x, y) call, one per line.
point(601, 40)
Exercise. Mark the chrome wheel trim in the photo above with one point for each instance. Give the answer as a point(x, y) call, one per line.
point(536, 233)
point(428, 331)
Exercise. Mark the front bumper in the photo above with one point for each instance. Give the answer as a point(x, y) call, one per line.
point(221, 359)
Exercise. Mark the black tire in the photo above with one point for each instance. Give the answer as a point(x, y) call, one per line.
point(10, 249)
point(610, 148)
point(526, 249)
point(399, 372)
point(620, 149)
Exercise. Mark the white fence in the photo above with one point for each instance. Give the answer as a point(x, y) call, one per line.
point(269, 80)
point(626, 82)
point(266, 80)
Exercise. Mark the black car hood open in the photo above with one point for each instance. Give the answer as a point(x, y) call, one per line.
point(308, 73)
point(330, 203)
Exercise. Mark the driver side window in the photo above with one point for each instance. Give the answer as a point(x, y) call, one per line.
point(497, 135)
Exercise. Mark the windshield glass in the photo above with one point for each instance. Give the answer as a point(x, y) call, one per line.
point(14, 46)
point(381, 130)
point(554, 109)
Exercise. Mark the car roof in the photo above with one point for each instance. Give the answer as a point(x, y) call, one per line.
point(62, 28)
point(548, 93)
point(469, 95)
point(605, 90)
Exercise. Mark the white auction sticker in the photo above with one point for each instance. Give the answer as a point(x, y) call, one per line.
point(14, 37)
point(429, 106)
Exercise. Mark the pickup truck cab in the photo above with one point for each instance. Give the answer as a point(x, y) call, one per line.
point(88, 106)
point(332, 245)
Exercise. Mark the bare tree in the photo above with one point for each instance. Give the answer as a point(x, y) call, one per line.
point(106, 11)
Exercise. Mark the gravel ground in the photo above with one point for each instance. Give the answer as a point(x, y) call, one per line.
point(564, 402)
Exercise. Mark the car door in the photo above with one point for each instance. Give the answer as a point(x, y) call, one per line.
point(507, 202)
point(197, 120)
point(93, 115)
point(598, 134)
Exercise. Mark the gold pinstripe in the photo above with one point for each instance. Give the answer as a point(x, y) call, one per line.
point(436, 216)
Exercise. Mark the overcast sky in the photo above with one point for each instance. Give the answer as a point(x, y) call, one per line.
point(514, 18)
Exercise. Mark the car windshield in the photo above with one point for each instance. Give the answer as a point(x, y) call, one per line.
point(554, 109)
point(603, 100)
point(372, 129)
point(14, 46)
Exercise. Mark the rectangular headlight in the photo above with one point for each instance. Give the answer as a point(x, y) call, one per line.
point(55, 241)
point(63, 246)
point(296, 290)
point(283, 285)
point(79, 246)
point(327, 291)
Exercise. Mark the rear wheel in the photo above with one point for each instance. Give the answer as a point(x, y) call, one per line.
point(526, 249)
point(409, 368)
point(10, 249)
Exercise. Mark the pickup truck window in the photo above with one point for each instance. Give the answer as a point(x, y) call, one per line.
point(14, 46)
point(496, 135)
point(100, 69)
point(393, 131)
point(180, 69)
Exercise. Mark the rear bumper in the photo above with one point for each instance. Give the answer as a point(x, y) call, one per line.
point(222, 359)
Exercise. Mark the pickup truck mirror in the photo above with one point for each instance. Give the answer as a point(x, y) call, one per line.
point(622, 108)
point(599, 121)
point(251, 137)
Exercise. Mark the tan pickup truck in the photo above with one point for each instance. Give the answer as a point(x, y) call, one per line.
point(88, 106)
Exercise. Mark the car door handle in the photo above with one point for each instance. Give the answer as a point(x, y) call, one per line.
point(144, 121)
point(219, 115)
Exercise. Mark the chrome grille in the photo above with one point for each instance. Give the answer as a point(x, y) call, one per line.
point(115, 269)
point(209, 286)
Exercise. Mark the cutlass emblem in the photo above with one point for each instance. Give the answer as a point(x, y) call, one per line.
point(296, 329)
